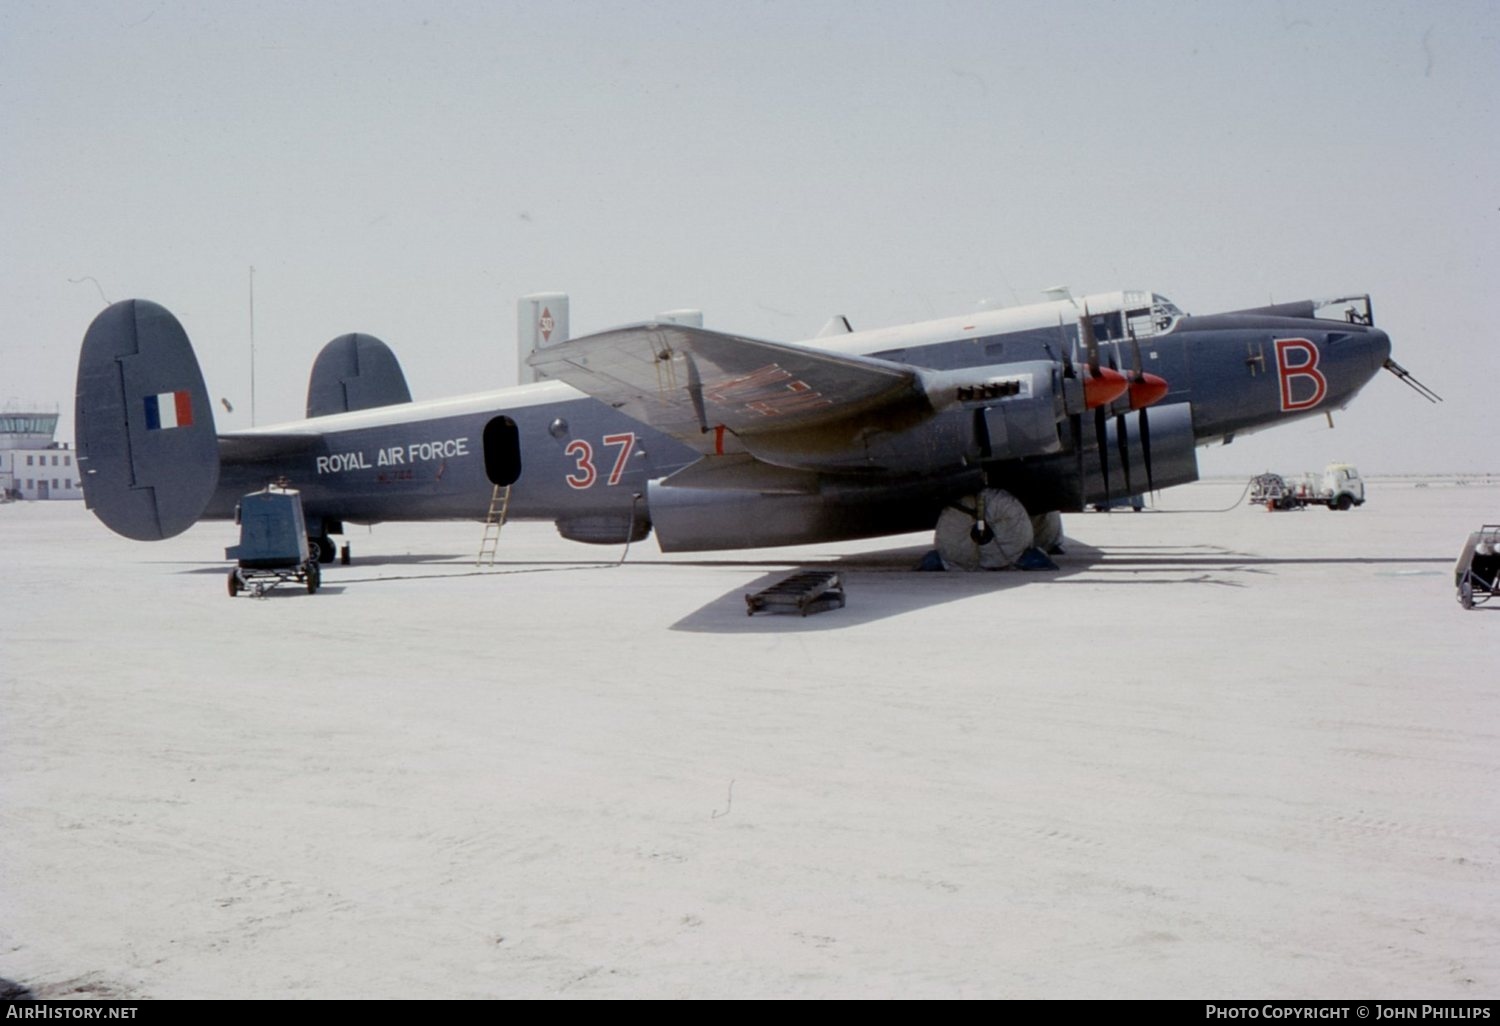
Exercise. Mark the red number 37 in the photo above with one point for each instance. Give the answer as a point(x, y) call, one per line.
point(584, 474)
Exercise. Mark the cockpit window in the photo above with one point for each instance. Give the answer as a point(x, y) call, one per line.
point(1145, 318)
point(1107, 326)
point(1164, 314)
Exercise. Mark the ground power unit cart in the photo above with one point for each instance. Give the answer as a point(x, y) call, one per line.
point(273, 545)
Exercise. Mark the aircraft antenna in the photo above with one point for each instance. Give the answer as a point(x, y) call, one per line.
point(1405, 375)
point(252, 346)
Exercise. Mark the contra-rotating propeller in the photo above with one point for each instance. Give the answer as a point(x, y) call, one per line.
point(1144, 390)
point(1107, 390)
point(1101, 387)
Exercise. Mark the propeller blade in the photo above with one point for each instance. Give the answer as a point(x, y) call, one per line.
point(1075, 419)
point(1075, 429)
point(1145, 433)
point(1122, 436)
point(1090, 343)
point(1100, 435)
point(1145, 389)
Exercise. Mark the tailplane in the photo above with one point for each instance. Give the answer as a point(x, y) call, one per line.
point(147, 450)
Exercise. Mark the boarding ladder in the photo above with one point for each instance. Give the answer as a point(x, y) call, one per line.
point(493, 521)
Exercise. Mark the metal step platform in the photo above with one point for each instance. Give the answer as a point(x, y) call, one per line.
point(806, 591)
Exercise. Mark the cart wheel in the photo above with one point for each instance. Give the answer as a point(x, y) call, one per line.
point(1466, 595)
point(314, 576)
point(234, 583)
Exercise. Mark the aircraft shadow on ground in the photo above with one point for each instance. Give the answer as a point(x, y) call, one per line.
point(406, 559)
point(885, 583)
point(284, 591)
point(879, 584)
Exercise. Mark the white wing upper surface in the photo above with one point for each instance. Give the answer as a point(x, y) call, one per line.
point(690, 382)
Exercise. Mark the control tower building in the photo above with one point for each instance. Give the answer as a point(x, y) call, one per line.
point(32, 464)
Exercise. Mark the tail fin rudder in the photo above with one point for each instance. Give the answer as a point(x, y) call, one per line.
point(147, 450)
point(355, 372)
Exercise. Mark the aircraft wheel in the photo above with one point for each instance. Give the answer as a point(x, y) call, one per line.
point(324, 547)
point(1047, 531)
point(988, 531)
point(234, 583)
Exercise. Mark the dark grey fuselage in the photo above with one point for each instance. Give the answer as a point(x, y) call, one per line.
point(598, 473)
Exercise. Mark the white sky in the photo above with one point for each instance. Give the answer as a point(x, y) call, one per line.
point(409, 169)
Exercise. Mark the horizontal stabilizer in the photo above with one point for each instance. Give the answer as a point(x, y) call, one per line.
point(253, 445)
point(695, 384)
point(355, 372)
point(147, 451)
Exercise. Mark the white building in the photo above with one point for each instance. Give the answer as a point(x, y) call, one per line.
point(32, 465)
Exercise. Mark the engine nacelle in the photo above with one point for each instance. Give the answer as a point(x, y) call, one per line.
point(969, 416)
point(1053, 483)
point(831, 508)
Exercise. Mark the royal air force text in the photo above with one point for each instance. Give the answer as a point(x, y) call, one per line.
point(394, 456)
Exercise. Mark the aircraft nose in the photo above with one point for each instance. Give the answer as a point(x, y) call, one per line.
point(1380, 348)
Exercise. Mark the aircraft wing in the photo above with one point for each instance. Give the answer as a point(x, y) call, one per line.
point(696, 384)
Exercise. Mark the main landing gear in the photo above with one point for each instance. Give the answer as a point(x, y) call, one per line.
point(991, 530)
point(986, 531)
point(326, 551)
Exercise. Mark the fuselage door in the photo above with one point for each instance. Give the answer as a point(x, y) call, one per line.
point(502, 451)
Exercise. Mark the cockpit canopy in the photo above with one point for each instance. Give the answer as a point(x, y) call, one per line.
point(1131, 314)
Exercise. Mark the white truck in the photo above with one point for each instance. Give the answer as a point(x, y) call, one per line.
point(1339, 487)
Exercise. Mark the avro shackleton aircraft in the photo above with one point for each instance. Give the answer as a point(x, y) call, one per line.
point(985, 427)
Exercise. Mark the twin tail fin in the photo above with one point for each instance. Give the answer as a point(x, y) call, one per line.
point(148, 453)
